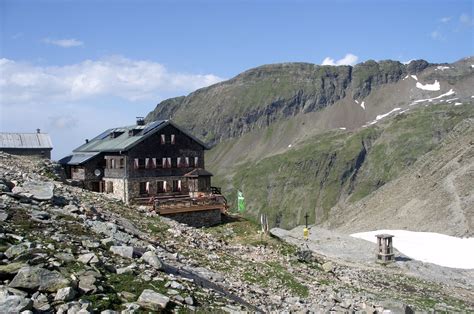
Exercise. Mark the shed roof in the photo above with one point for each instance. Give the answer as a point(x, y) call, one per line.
point(25, 140)
point(123, 142)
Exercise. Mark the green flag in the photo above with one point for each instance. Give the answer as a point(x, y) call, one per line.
point(240, 201)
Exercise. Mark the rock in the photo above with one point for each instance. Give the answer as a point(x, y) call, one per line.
point(90, 244)
point(109, 312)
point(122, 250)
point(176, 285)
point(189, 300)
point(41, 302)
point(151, 259)
point(66, 257)
point(124, 270)
point(153, 300)
point(86, 283)
point(15, 250)
point(72, 209)
point(40, 215)
point(40, 191)
point(11, 269)
point(3, 215)
point(65, 294)
point(39, 278)
point(14, 304)
point(89, 258)
point(328, 267)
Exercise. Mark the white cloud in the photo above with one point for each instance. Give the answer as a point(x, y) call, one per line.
point(437, 35)
point(64, 43)
point(445, 19)
point(466, 19)
point(349, 59)
point(115, 76)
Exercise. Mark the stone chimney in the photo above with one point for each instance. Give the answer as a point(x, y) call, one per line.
point(38, 131)
point(87, 140)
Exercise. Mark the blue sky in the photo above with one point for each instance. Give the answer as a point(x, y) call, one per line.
point(74, 68)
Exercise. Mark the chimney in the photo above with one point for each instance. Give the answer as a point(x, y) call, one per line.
point(38, 131)
point(87, 140)
point(140, 121)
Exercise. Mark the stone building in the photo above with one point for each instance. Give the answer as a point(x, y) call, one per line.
point(26, 144)
point(156, 163)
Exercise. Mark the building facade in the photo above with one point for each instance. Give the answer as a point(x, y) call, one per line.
point(158, 160)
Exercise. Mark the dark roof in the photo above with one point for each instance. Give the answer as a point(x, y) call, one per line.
point(199, 172)
point(123, 142)
point(25, 140)
point(77, 158)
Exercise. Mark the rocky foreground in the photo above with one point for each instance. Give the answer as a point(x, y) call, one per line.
point(66, 250)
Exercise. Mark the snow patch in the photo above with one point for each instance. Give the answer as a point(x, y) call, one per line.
point(381, 116)
point(472, 65)
point(357, 102)
point(414, 77)
point(363, 105)
point(342, 128)
point(442, 68)
point(458, 103)
point(289, 145)
point(451, 92)
point(432, 87)
point(405, 77)
point(430, 247)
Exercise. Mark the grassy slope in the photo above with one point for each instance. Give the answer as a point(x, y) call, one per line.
point(314, 175)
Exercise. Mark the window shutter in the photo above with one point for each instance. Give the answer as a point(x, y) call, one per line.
point(179, 185)
point(135, 163)
point(165, 186)
point(153, 163)
point(148, 187)
point(173, 138)
point(186, 161)
point(196, 162)
point(113, 163)
point(163, 162)
point(163, 139)
point(147, 163)
point(178, 162)
point(169, 162)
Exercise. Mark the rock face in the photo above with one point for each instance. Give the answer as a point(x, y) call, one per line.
point(153, 300)
point(39, 278)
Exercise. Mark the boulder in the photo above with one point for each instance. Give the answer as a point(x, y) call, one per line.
point(39, 278)
point(328, 267)
point(39, 215)
point(89, 258)
point(152, 300)
point(122, 250)
point(151, 259)
point(65, 294)
point(86, 283)
point(39, 190)
point(15, 250)
point(3, 215)
point(9, 270)
point(14, 304)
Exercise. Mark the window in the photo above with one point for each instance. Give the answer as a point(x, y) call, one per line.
point(161, 186)
point(153, 163)
point(178, 162)
point(163, 139)
point(112, 163)
point(147, 163)
point(196, 162)
point(122, 163)
point(186, 162)
point(141, 163)
point(173, 139)
point(176, 185)
point(136, 163)
point(144, 188)
point(168, 162)
point(109, 187)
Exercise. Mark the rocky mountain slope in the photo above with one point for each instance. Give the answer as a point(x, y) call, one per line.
point(63, 249)
point(302, 138)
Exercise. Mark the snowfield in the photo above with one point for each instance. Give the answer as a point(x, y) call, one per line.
point(429, 247)
point(431, 87)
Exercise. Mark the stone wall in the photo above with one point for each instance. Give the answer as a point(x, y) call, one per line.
point(119, 187)
point(204, 218)
point(40, 152)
